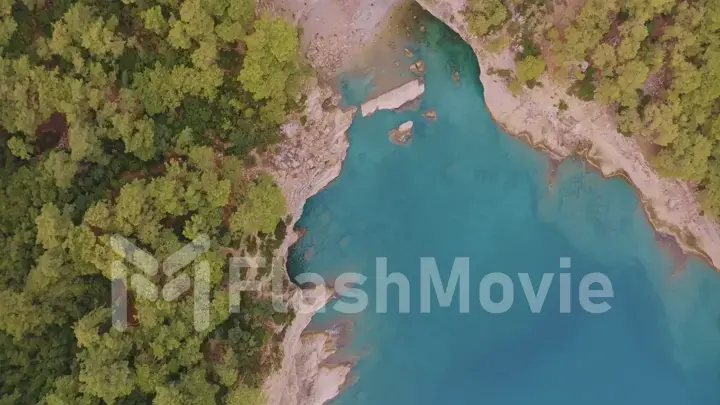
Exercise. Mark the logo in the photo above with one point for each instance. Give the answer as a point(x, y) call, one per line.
point(172, 290)
point(347, 294)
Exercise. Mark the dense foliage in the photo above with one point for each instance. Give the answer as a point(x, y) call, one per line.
point(135, 118)
point(657, 63)
point(484, 16)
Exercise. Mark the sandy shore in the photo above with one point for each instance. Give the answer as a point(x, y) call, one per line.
point(586, 129)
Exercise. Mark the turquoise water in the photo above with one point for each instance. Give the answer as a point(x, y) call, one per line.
point(465, 189)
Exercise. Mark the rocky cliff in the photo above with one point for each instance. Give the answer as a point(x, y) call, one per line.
point(307, 160)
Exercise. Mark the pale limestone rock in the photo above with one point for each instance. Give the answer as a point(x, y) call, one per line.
point(307, 160)
point(304, 378)
point(395, 98)
point(311, 155)
point(402, 135)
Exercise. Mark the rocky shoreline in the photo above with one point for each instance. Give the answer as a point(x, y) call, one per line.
point(588, 130)
point(307, 161)
point(309, 158)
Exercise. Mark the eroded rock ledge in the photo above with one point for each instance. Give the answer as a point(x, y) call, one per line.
point(588, 129)
point(307, 160)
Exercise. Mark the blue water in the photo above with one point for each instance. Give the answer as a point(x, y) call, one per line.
point(465, 189)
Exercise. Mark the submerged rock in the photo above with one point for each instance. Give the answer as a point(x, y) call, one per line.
point(456, 77)
point(408, 53)
point(418, 67)
point(430, 114)
point(402, 135)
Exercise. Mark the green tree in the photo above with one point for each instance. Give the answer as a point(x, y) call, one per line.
point(604, 59)
point(530, 68)
point(686, 158)
point(61, 167)
point(52, 226)
point(484, 16)
point(261, 210)
point(7, 29)
point(19, 147)
point(155, 21)
point(588, 29)
point(274, 43)
point(244, 395)
point(633, 35)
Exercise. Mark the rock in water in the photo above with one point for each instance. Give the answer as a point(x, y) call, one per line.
point(394, 98)
point(402, 135)
point(406, 126)
point(418, 67)
point(408, 53)
point(430, 114)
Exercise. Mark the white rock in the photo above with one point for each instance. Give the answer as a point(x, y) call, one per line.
point(405, 126)
point(394, 98)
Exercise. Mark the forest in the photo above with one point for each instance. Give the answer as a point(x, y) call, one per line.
point(136, 118)
point(656, 63)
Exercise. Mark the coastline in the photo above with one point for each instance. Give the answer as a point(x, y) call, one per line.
point(307, 161)
point(589, 131)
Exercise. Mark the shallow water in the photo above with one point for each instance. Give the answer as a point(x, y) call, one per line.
point(465, 189)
